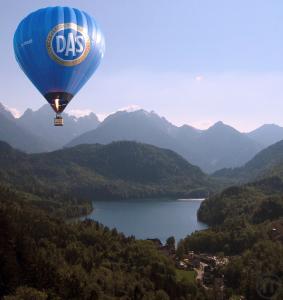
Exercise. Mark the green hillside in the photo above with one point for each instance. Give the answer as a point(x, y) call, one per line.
point(247, 227)
point(268, 162)
point(44, 258)
point(255, 202)
point(118, 170)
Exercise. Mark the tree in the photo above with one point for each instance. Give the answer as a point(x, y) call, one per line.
point(161, 295)
point(180, 252)
point(27, 293)
point(170, 243)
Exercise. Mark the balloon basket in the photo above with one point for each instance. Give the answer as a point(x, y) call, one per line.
point(58, 121)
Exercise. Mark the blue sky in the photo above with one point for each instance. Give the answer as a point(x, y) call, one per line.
point(192, 61)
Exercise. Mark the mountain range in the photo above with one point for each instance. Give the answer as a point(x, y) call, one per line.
point(267, 134)
point(34, 131)
point(217, 147)
point(18, 136)
point(126, 169)
point(267, 163)
point(220, 146)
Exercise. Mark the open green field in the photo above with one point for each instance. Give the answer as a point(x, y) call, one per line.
point(186, 275)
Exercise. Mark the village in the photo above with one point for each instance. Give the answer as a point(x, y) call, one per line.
point(205, 267)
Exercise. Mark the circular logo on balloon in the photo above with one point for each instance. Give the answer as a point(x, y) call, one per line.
point(68, 44)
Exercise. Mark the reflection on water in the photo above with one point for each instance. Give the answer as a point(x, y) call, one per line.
point(150, 218)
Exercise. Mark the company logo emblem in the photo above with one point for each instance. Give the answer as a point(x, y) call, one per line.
point(68, 44)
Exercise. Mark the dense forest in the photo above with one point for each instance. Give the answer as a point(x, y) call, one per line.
point(42, 257)
point(247, 226)
point(255, 202)
point(119, 170)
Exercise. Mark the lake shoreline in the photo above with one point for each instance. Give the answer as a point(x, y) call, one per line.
point(149, 218)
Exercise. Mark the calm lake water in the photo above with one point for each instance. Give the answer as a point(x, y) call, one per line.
point(150, 218)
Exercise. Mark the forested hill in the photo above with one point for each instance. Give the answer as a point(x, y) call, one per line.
point(268, 162)
point(247, 225)
point(255, 202)
point(44, 258)
point(118, 170)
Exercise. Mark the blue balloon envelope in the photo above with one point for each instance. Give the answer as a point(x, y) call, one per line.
point(58, 48)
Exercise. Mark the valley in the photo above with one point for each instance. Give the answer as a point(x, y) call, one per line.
point(243, 208)
point(141, 150)
point(244, 221)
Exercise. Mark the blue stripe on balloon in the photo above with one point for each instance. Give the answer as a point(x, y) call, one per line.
point(44, 72)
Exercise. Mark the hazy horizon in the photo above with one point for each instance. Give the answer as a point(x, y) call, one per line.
point(192, 62)
point(101, 118)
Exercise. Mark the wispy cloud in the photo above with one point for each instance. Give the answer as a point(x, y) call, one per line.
point(102, 116)
point(202, 124)
point(14, 111)
point(130, 108)
point(79, 112)
point(199, 78)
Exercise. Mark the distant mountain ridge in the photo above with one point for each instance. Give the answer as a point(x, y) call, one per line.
point(40, 123)
point(211, 149)
point(34, 131)
point(5, 112)
point(220, 146)
point(17, 136)
point(267, 134)
point(267, 163)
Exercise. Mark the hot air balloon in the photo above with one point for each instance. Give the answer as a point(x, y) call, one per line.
point(58, 48)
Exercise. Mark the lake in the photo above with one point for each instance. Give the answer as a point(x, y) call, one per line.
point(150, 218)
